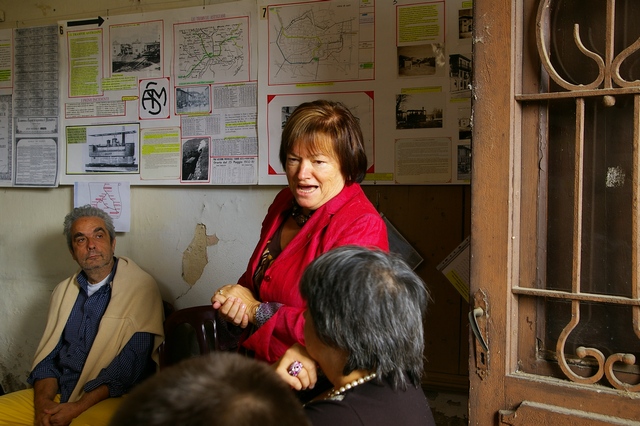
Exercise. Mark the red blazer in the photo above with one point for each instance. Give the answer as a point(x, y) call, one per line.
point(348, 218)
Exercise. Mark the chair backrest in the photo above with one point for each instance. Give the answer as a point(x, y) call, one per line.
point(192, 332)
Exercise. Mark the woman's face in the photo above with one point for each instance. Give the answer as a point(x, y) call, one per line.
point(311, 341)
point(314, 178)
point(322, 353)
point(331, 360)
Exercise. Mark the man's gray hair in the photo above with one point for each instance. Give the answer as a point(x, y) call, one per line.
point(87, 211)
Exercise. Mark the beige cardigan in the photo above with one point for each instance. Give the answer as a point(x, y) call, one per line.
point(135, 306)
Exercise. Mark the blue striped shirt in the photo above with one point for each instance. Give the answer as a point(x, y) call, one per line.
point(67, 360)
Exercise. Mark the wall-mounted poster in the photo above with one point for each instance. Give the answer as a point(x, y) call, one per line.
point(402, 67)
point(199, 106)
point(98, 149)
point(162, 98)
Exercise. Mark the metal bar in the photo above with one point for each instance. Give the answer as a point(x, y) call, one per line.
point(635, 218)
point(609, 31)
point(585, 297)
point(524, 97)
point(578, 183)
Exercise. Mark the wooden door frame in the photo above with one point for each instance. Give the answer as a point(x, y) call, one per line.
point(491, 219)
point(498, 123)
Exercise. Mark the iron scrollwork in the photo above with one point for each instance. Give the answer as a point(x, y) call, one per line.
point(608, 75)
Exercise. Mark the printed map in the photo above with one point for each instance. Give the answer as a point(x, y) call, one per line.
point(212, 51)
point(106, 196)
point(313, 42)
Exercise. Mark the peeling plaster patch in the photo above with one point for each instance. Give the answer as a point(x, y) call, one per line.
point(10, 381)
point(615, 177)
point(44, 8)
point(194, 258)
point(212, 240)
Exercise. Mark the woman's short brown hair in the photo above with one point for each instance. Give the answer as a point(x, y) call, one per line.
point(313, 124)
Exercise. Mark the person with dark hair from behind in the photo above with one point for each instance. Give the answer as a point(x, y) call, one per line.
point(220, 389)
point(364, 329)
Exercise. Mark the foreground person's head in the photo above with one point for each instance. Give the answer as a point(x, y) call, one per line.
point(221, 389)
point(367, 306)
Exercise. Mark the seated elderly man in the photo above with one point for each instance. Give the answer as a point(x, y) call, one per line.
point(103, 330)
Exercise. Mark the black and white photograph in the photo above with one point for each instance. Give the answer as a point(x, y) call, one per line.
point(421, 60)
point(286, 113)
point(464, 162)
point(195, 159)
point(111, 149)
point(460, 76)
point(135, 48)
point(419, 111)
point(193, 99)
point(464, 123)
point(465, 23)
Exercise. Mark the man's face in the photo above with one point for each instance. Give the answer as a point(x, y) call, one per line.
point(92, 247)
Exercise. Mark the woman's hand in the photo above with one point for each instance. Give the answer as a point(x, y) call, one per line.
point(307, 377)
point(235, 304)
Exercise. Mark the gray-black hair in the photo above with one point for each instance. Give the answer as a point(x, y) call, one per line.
point(87, 211)
point(371, 305)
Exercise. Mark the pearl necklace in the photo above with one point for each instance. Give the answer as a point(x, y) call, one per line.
point(336, 392)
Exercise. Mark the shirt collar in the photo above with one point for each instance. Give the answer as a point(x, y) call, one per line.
point(83, 281)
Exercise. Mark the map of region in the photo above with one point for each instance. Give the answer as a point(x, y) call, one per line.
point(313, 42)
point(106, 196)
point(212, 51)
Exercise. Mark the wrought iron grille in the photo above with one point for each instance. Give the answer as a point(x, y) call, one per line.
point(598, 83)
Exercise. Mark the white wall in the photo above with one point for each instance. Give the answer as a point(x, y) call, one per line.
point(33, 252)
point(34, 256)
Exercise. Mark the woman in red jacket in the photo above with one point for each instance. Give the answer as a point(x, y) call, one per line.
point(323, 154)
